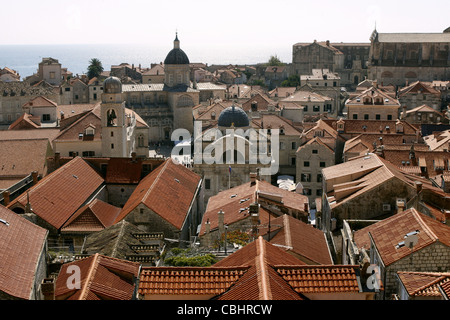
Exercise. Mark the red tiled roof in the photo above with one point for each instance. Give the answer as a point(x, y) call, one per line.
point(21, 247)
point(252, 273)
point(60, 194)
point(303, 240)
point(424, 284)
point(40, 101)
point(391, 231)
point(101, 278)
point(124, 171)
point(188, 280)
point(231, 202)
point(18, 158)
point(247, 255)
point(321, 279)
point(95, 216)
point(168, 191)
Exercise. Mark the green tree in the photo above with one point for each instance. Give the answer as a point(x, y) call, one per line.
point(275, 61)
point(95, 68)
point(291, 81)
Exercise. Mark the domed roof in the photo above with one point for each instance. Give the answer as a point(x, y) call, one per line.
point(176, 55)
point(233, 116)
point(112, 85)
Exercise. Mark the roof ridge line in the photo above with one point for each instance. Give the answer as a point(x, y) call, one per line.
point(261, 266)
point(287, 232)
point(431, 283)
point(164, 166)
point(92, 271)
point(426, 228)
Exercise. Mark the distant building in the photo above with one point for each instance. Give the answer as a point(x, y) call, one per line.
point(50, 71)
point(398, 58)
point(372, 104)
point(349, 60)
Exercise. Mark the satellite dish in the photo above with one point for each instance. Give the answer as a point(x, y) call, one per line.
point(411, 240)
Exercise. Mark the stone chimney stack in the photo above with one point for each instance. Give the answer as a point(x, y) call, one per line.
point(34, 174)
point(57, 160)
point(48, 288)
point(253, 178)
point(6, 197)
point(221, 222)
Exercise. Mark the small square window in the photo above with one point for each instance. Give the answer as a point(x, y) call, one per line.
point(315, 151)
point(306, 163)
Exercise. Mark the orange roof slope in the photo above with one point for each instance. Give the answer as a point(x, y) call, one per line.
point(248, 255)
point(21, 244)
point(231, 201)
point(60, 194)
point(95, 216)
point(303, 239)
point(188, 280)
point(424, 284)
point(321, 279)
point(101, 278)
point(388, 233)
point(18, 158)
point(168, 191)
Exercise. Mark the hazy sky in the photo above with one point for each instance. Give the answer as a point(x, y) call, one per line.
point(210, 22)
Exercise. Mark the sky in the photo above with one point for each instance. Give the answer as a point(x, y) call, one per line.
point(202, 23)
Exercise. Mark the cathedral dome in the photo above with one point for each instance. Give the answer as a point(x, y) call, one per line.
point(112, 85)
point(176, 55)
point(233, 117)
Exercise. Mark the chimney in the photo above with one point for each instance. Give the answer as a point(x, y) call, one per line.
point(221, 222)
point(133, 156)
point(48, 288)
point(207, 236)
point(254, 214)
point(418, 186)
point(57, 159)
point(34, 174)
point(400, 206)
point(252, 178)
point(5, 198)
point(306, 207)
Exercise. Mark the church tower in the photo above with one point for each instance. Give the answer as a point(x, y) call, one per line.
point(114, 120)
point(181, 96)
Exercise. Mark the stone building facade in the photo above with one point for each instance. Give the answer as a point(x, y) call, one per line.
point(349, 60)
point(396, 58)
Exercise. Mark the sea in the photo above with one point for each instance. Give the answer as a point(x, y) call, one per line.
point(75, 57)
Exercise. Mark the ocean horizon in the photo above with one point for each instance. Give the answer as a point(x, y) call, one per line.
point(75, 57)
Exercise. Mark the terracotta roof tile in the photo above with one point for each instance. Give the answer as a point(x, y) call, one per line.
point(233, 200)
point(424, 284)
point(95, 216)
point(388, 233)
point(168, 191)
point(60, 194)
point(321, 279)
point(304, 240)
point(21, 246)
point(101, 278)
point(18, 158)
point(188, 280)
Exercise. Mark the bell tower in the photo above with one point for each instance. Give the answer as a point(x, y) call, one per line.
point(113, 118)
